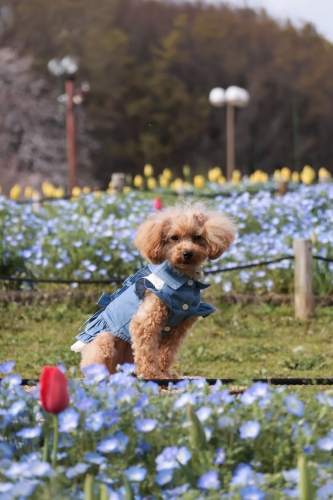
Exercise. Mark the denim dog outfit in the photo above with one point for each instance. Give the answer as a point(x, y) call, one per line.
point(180, 293)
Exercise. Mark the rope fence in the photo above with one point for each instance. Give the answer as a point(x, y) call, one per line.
point(226, 381)
point(116, 280)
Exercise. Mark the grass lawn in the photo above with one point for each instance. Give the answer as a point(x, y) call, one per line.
point(239, 341)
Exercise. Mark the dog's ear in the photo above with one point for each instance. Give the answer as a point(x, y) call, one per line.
point(149, 238)
point(220, 233)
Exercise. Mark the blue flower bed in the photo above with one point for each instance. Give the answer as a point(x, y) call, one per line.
point(92, 237)
point(125, 440)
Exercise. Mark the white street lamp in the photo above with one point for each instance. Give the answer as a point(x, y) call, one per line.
point(233, 96)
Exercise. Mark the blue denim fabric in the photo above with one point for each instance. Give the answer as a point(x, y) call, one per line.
point(181, 294)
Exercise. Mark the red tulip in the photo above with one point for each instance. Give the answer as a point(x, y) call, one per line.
point(53, 390)
point(158, 205)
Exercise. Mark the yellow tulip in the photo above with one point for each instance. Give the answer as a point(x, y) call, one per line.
point(236, 176)
point(15, 192)
point(214, 174)
point(308, 175)
point(295, 176)
point(164, 182)
point(127, 189)
point(221, 180)
point(264, 177)
point(199, 181)
point(186, 170)
point(138, 181)
point(286, 173)
point(167, 174)
point(277, 175)
point(0, 189)
point(178, 183)
point(109, 190)
point(148, 170)
point(59, 192)
point(151, 183)
point(28, 192)
point(86, 190)
point(48, 189)
point(76, 191)
point(97, 193)
point(323, 172)
point(35, 195)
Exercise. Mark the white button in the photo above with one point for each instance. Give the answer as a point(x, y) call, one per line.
point(167, 329)
point(190, 282)
point(185, 307)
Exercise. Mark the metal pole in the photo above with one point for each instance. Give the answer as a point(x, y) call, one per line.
point(70, 132)
point(230, 141)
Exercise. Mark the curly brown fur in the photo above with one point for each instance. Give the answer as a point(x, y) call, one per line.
point(185, 236)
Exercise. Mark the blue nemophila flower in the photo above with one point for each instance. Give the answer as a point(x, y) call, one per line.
point(183, 400)
point(5, 488)
point(325, 492)
point(117, 443)
point(142, 448)
point(204, 413)
point(110, 418)
point(227, 286)
point(135, 473)
point(95, 421)
point(224, 422)
point(7, 367)
point(292, 476)
point(95, 373)
point(7, 450)
point(127, 368)
point(209, 481)
point(249, 430)
point(308, 449)
point(29, 432)
point(291, 492)
point(183, 455)
point(243, 475)
point(294, 405)
point(324, 399)
point(176, 492)
point(219, 456)
point(251, 493)
point(17, 408)
point(146, 424)
point(78, 469)
point(40, 469)
point(85, 404)
point(164, 476)
point(325, 444)
point(68, 420)
point(94, 458)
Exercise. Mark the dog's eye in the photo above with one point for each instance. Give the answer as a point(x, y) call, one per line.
point(174, 237)
point(197, 237)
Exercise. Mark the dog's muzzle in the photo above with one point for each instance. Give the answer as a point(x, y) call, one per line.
point(187, 255)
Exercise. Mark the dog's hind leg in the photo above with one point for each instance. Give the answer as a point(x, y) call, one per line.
point(170, 345)
point(106, 349)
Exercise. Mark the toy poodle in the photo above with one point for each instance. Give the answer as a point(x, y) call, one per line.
point(147, 320)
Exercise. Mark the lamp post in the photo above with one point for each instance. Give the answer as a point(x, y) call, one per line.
point(68, 66)
point(233, 96)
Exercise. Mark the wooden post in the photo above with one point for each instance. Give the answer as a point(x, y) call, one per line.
point(304, 299)
point(118, 183)
point(36, 204)
point(282, 187)
point(230, 141)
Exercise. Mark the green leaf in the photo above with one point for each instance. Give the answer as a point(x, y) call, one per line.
point(305, 486)
point(197, 433)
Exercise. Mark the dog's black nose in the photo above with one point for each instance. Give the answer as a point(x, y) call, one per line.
point(187, 255)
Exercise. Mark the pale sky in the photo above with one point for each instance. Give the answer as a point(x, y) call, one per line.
point(318, 12)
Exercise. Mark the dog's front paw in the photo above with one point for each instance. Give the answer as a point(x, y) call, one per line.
point(170, 375)
point(149, 374)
